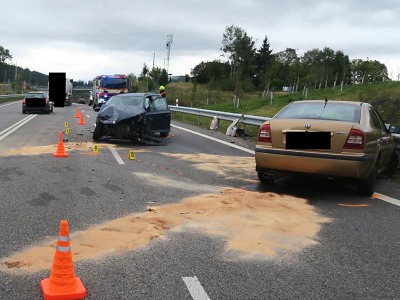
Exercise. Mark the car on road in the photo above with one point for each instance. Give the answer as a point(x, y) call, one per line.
point(141, 117)
point(343, 139)
point(68, 100)
point(82, 101)
point(37, 102)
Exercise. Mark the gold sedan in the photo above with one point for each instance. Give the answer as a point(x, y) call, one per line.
point(328, 138)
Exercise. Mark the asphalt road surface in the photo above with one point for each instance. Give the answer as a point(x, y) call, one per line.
point(185, 220)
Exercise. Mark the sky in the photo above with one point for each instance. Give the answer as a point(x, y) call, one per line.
point(87, 38)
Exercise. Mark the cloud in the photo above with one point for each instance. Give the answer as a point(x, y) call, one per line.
point(85, 38)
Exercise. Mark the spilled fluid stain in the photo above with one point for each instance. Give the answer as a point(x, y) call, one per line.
point(181, 184)
point(229, 167)
point(82, 147)
point(252, 225)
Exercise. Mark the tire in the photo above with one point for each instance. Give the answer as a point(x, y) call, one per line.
point(98, 131)
point(367, 186)
point(392, 165)
point(164, 134)
point(265, 180)
point(23, 111)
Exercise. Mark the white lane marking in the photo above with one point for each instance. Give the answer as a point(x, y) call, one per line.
point(116, 155)
point(382, 197)
point(386, 198)
point(6, 132)
point(195, 288)
point(18, 101)
point(215, 139)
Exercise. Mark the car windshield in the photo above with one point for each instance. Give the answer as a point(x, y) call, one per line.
point(113, 83)
point(318, 110)
point(122, 100)
point(35, 95)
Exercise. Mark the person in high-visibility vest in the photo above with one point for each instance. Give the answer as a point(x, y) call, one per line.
point(162, 91)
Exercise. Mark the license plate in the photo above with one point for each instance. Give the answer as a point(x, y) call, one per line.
point(308, 140)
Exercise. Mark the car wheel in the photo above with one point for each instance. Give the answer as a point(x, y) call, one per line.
point(265, 179)
point(164, 134)
point(392, 165)
point(366, 187)
point(23, 111)
point(98, 131)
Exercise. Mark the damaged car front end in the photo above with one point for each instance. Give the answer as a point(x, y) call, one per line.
point(139, 117)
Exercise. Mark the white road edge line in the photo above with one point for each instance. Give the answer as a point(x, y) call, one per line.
point(6, 132)
point(216, 140)
point(387, 199)
point(195, 289)
point(116, 155)
point(380, 196)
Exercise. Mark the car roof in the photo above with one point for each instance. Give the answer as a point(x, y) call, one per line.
point(331, 101)
point(139, 94)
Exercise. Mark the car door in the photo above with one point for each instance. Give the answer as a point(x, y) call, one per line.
point(384, 137)
point(158, 115)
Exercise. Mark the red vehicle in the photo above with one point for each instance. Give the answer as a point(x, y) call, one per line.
point(106, 86)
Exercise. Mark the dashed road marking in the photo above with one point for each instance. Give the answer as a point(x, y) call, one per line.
point(117, 156)
point(195, 289)
point(386, 198)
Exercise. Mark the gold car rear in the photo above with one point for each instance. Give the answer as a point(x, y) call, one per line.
point(329, 138)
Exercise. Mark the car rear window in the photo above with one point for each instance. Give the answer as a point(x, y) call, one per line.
point(35, 95)
point(346, 112)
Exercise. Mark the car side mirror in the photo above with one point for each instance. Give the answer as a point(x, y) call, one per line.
point(393, 129)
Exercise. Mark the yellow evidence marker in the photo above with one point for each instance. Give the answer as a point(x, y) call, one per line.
point(131, 154)
point(96, 148)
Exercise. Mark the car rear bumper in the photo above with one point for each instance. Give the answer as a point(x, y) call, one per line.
point(351, 165)
point(38, 108)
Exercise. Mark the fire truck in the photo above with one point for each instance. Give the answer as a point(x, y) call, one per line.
point(106, 86)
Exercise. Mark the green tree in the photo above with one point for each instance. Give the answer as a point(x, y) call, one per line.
point(263, 66)
point(241, 53)
point(286, 69)
point(4, 55)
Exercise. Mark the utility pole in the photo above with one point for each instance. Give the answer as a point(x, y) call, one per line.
point(16, 70)
point(169, 43)
point(154, 56)
point(4, 84)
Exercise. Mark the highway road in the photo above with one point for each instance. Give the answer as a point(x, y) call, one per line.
point(185, 220)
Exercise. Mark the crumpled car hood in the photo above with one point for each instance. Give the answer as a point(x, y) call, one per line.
point(111, 114)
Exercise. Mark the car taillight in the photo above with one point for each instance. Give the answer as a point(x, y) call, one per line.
point(264, 134)
point(355, 140)
point(23, 101)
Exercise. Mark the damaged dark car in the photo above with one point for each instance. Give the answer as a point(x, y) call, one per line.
point(139, 117)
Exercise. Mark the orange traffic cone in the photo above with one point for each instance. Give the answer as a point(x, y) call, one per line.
point(78, 113)
point(60, 152)
point(81, 120)
point(62, 283)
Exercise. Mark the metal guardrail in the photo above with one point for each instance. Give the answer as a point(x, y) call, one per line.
point(245, 119)
point(11, 96)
